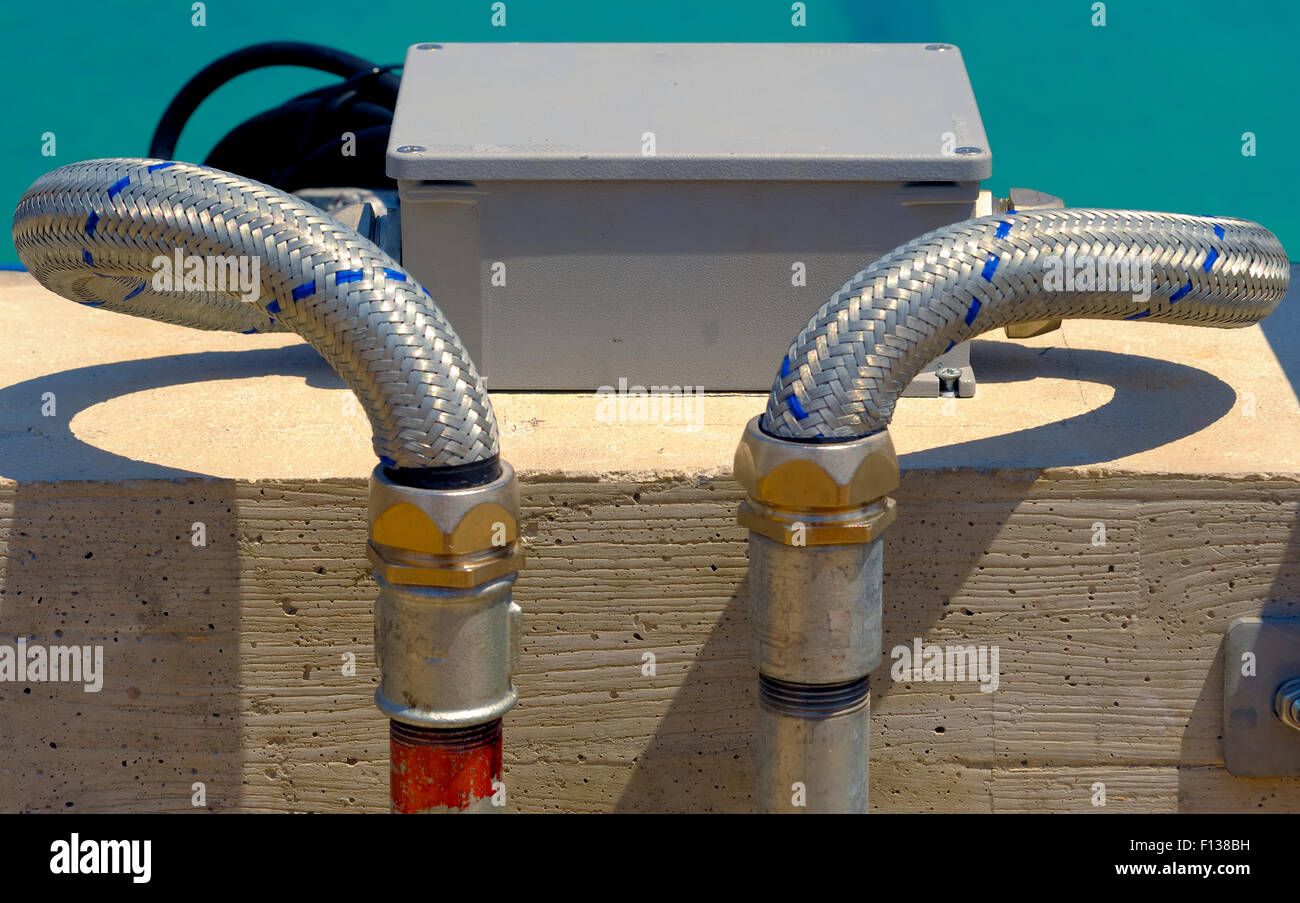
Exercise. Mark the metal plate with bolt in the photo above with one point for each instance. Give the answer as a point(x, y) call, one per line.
point(1261, 697)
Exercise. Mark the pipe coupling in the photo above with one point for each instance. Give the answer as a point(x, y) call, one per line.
point(447, 632)
point(815, 513)
point(816, 494)
point(815, 614)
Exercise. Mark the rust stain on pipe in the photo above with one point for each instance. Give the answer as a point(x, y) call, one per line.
point(444, 770)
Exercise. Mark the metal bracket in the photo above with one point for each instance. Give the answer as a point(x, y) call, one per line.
point(950, 374)
point(928, 384)
point(1029, 199)
point(1257, 742)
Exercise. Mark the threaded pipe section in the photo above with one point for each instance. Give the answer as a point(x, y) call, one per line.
point(812, 702)
point(813, 746)
point(444, 769)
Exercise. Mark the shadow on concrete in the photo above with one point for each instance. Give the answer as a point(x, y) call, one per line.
point(116, 567)
point(44, 449)
point(1281, 329)
point(1155, 402)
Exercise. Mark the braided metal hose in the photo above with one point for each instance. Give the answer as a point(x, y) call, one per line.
point(93, 231)
point(843, 374)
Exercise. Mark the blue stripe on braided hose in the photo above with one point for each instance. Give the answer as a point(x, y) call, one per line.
point(990, 267)
point(1178, 295)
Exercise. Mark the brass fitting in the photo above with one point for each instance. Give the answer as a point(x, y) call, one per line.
point(456, 538)
point(803, 493)
point(1030, 328)
point(815, 512)
point(447, 632)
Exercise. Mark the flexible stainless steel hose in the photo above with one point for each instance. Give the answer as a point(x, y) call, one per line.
point(817, 467)
point(443, 510)
point(843, 374)
point(92, 231)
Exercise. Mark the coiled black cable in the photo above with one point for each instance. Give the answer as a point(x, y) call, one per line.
point(299, 143)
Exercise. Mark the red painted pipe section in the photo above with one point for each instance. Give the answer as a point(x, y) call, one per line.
point(444, 770)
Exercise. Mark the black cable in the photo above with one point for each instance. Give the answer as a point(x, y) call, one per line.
point(332, 110)
point(326, 167)
point(458, 476)
point(275, 146)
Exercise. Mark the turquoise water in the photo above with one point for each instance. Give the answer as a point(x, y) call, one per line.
point(1146, 112)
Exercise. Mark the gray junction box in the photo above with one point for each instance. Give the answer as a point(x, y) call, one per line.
point(589, 212)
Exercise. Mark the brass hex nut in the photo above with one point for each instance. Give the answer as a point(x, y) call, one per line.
point(850, 527)
point(482, 528)
point(458, 573)
point(806, 476)
point(444, 537)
